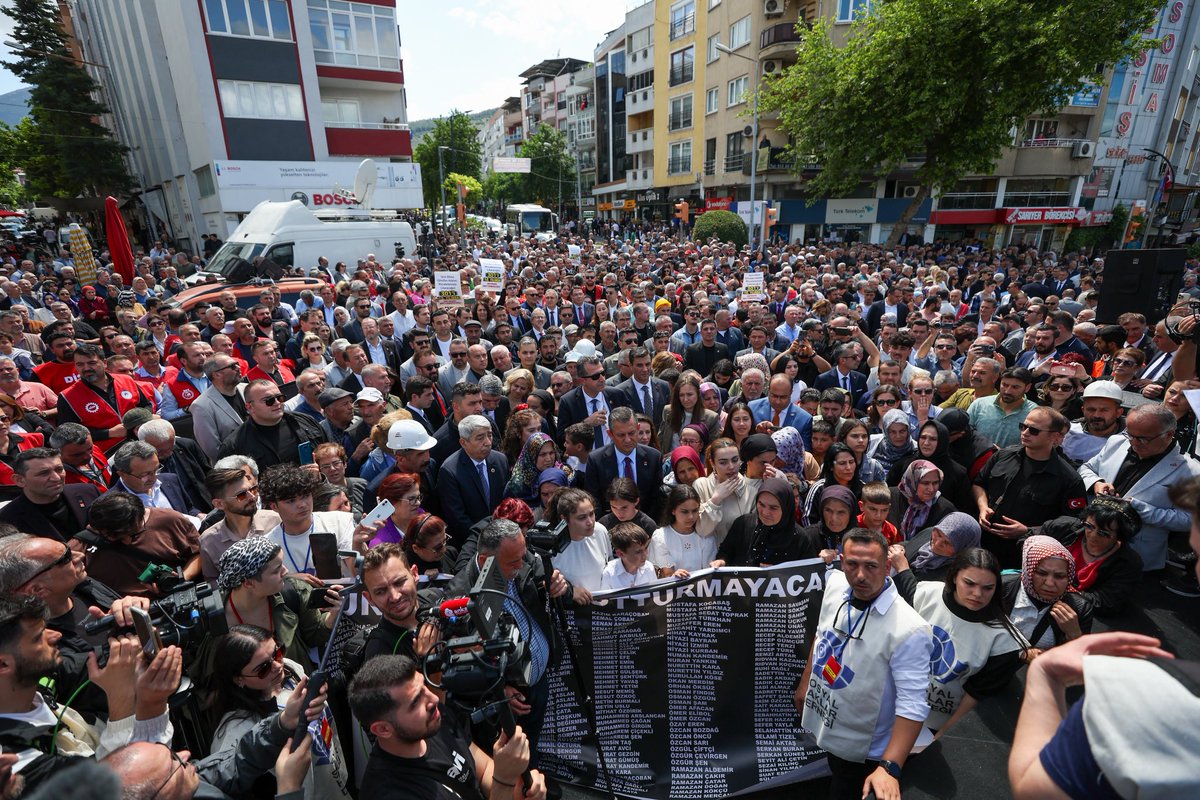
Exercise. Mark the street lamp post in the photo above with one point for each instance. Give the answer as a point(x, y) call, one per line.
point(1152, 209)
point(754, 136)
point(442, 186)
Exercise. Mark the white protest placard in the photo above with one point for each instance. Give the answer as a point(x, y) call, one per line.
point(573, 252)
point(753, 287)
point(492, 272)
point(447, 289)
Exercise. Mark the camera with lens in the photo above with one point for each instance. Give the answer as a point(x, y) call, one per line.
point(183, 615)
point(548, 540)
point(481, 651)
point(1193, 306)
point(400, 250)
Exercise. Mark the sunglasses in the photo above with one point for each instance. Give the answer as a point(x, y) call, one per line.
point(1124, 362)
point(246, 493)
point(263, 669)
point(1032, 431)
point(596, 376)
point(272, 400)
point(61, 561)
point(1060, 387)
point(1092, 528)
point(921, 391)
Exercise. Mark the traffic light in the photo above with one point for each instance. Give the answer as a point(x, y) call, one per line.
point(681, 212)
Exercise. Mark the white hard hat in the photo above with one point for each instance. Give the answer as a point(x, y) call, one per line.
point(1108, 390)
point(585, 347)
point(408, 434)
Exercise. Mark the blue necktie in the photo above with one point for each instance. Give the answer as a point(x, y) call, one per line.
point(487, 493)
point(539, 648)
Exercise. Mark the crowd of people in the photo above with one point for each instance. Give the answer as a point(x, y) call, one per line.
point(985, 465)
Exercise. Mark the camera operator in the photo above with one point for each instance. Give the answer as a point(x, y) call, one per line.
point(391, 586)
point(124, 538)
point(49, 570)
point(421, 749)
point(528, 604)
point(47, 738)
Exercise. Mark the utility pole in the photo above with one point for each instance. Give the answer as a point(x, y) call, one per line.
point(754, 136)
point(441, 187)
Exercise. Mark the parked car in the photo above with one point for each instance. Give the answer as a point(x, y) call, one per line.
point(247, 293)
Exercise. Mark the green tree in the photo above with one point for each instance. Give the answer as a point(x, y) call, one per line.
point(552, 171)
point(474, 188)
point(464, 154)
point(945, 79)
point(68, 152)
point(500, 187)
point(14, 153)
point(724, 225)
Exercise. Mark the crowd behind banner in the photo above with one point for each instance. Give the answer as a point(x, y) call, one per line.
point(978, 465)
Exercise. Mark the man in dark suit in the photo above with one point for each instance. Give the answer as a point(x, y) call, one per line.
point(584, 311)
point(845, 374)
point(731, 337)
point(47, 506)
point(135, 466)
point(624, 458)
point(466, 400)
point(590, 402)
point(642, 387)
point(180, 456)
point(471, 481)
point(890, 304)
point(377, 349)
point(703, 354)
point(418, 397)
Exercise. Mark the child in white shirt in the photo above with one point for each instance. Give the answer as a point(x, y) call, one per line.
point(630, 567)
point(676, 548)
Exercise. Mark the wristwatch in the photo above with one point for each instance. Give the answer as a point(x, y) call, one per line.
point(891, 768)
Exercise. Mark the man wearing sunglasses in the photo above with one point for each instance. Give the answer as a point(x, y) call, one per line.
point(271, 435)
point(234, 491)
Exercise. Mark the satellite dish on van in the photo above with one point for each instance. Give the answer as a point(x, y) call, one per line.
point(364, 182)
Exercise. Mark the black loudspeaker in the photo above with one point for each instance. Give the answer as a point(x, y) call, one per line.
point(1145, 281)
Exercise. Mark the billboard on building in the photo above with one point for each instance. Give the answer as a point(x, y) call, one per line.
point(318, 184)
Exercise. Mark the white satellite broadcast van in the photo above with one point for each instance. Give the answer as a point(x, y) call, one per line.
point(291, 235)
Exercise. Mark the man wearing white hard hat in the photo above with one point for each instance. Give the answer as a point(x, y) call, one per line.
point(411, 446)
point(1103, 417)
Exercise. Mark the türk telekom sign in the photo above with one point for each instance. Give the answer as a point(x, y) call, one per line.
point(1069, 215)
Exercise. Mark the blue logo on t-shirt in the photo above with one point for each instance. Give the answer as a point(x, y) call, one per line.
point(942, 663)
point(827, 666)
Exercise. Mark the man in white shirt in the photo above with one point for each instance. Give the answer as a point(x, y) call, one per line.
point(288, 491)
point(402, 318)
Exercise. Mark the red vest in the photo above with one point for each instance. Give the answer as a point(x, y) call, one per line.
point(256, 373)
point(184, 390)
point(57, 375)
point(101, 464)
point(95, 412)
point(155, 380)
point(28, 440)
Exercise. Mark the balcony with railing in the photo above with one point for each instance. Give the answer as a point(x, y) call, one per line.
point(770, 159)
point(680, 75)
point(368, 139)
point(780, 37)
point(679, 165)
point(710, 167)
point(640, 101)
point(1050, 142)
point(1035, 199)
point(733, 162)
point(677, 122)
point(640, 141)
point(683, 26)
point(966, 201)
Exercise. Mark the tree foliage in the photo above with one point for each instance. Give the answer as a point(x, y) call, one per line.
point(945, 79)
point(724, 225)
point(64, 150)
point(474, 187)
point(464, 155)
point(501, 187)
point(552, 171)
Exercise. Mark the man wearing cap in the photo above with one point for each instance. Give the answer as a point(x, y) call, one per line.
point(338, 407)
point(370, 406)
point(1102, 418)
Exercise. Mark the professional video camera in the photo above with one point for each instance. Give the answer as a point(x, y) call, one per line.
point(546, 540)
point(183, 615)
point(479, 659)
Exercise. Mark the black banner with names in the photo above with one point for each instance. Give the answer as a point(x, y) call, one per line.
point(693, 683)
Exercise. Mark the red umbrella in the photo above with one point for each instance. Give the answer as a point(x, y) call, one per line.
point(118, 240)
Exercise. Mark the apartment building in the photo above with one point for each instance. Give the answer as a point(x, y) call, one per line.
point(225, 103)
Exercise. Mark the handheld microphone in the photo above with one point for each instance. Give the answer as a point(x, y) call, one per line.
point(453, 609)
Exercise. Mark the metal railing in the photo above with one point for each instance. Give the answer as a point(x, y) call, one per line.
point(733, 163)
point(1037, 199)
point(780, 34)
point(678, 122)
point(683, 26)
point(1044, 142)
point(681, 75)
point(372, 126)
point(678, 166)
point(710, 167)
point(967, 200)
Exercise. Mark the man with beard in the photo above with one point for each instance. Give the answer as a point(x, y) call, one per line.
point(421, 751)
point(1043, 348)
point(1102, 418)
point(58, 373)
point(998, 417)
point(391, 586)
point(98, 400)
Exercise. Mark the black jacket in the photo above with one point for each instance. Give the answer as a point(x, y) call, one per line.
point(1117, 578)
point(244, 441)
point(30, 518)
point(900, 505)
point(1010, 583)
point(736, 549)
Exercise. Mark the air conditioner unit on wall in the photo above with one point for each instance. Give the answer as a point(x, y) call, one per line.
point(772, 67)
point(774, 8)
point(911, 191)
point(1084, 150)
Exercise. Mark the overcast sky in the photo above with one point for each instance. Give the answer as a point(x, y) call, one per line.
point(468, 54)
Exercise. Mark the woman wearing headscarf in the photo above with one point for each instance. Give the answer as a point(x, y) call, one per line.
point(895, 443)
point(791, 457)
point(917, 502)
point(968, 447)
point(840, 468)
point(686, 465)
point(549, 481)
point(933, 445)
point(769, 534)
point(537, 454)
point(930, 553)
point(1039, 600)
point(835, 515)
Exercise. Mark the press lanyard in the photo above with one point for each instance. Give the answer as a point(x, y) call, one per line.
point(307, 558)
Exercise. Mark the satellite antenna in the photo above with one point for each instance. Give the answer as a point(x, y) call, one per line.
point(364, 183)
